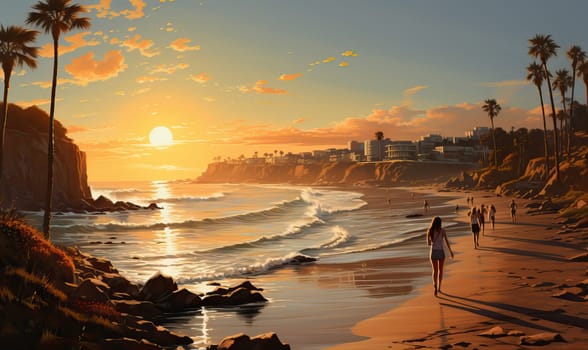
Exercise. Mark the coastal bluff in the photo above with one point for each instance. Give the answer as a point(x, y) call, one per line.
point(24, 179)
point(389, 173)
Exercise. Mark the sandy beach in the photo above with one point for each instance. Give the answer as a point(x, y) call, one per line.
point(520, 279)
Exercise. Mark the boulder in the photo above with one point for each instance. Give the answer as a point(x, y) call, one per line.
point(158, 287)
point(101, 265)
point(102, 203)
point(119, 284)
point(145, 309)
point(494, 332)
point(180, 300)
point(130, 344)
point(541, 339)
point(266, 341)
point(92, 289)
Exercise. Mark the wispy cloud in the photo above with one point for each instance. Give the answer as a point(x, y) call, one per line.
point(169, 68)
point(349, 53)
point(260, 88)
point(104, 9)
point(413, 90)
point(37, 102)
point(290, 76)
point(76, 41)
point(136, 12)
point(149, 79)
point(506, 83)
point(144, 46)
point(182, 45)
point(200, 78)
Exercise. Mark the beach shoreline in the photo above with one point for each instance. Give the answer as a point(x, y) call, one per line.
point(509, 282)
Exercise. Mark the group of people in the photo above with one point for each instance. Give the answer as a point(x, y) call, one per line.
point(437, 237)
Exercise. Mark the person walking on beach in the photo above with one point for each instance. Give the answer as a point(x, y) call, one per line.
point(436, 237)
point(475, 222)
point(492, 215)
point(513, 211)
point(482, 217)
point(426, 206)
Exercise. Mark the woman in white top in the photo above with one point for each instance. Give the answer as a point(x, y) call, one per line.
point(435, 237)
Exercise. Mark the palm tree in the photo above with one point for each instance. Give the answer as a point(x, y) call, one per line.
point(379, 136)
point(562, 82)
point(14, 52)
point(492, 108)
point(55, 17)
point(583, 72)
point(536, 74)
point(576, 55)
point(543, 47)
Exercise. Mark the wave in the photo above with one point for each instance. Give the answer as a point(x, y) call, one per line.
point(212, 197)
point(256, 268)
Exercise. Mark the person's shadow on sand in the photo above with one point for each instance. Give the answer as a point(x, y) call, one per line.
point(483, 308)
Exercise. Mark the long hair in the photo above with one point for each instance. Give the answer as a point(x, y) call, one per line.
point(435, 226)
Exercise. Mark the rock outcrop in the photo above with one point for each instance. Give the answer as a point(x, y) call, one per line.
point(24, 179)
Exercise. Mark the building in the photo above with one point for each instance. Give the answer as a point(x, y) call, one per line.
point(375, 150)
point(426, 145)
point(455, 153)
point(401, 150)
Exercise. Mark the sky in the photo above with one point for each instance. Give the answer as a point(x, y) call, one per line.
point(232, 77)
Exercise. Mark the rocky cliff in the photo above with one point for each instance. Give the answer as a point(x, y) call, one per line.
point(24, 179)
point(396, 173)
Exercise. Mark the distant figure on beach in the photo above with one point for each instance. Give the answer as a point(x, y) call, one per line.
point(492, 215)
point(456, 208)
point(426, 206)
point(482, 216)
point(513, 210)
point(468, 200)
point(475, 222)
point(436, 237)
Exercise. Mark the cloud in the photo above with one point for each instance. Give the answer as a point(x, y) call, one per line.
point(209, 99)
point(298, 121)
point(140, 91)
point(344, 64)
point(136, 12)
point(143, 46)
point(181, 45)
point(149, 79)
point(37, 102)
point(506, 83)
point(86, 69)
point(72, 129)
point(200, 78)
point(413, 90)
point(169, 68)
point(103, 8)
point(76, 41)
point(290, 76)
point(260, 88)
point(329, 59)
point(397, 123)
point(349, 53)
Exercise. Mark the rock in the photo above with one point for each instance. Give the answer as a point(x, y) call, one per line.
point(244, 296)
point(567, 295)
point(515, 333)
point(541, 339)
point(119, 284)
point(158, 287)
point(301, 259)
point(493, 332)
point(266, 341)
point(145, 309)
point(92, 289)
point(580, 257)
point(542, 284)
point(243, 293)
point(130, 344)
point(153, 206)
point(102, 265)
point(102, 203)
point(180, 300)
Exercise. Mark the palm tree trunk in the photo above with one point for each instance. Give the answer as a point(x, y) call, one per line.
point(553, 116)
point(570, 126)
point(50, 145)
point(544, 134)
point(4, 121)
point(494, 143)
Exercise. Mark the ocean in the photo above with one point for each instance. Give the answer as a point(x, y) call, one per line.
point(228, 233)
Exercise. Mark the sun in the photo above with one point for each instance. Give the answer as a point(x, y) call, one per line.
point(160, 136)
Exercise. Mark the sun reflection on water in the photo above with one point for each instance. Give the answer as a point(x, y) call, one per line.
point(168, 237)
